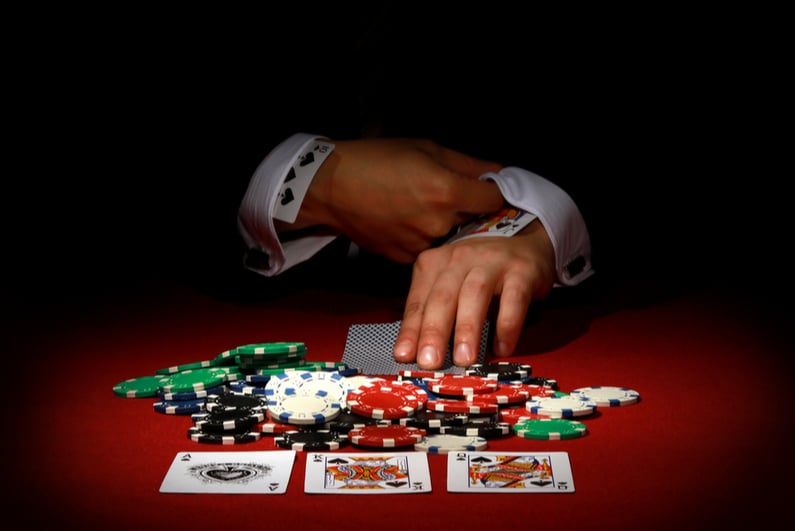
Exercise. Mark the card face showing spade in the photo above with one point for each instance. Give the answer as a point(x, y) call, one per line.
point(298, 178)
point(230, 472)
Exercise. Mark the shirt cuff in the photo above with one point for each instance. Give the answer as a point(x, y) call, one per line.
point(559, 215)
point(255, 215)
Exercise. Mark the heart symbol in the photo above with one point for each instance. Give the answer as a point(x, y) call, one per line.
point(229, 474)
point(287, 196)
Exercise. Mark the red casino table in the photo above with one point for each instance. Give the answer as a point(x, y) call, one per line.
point(707, 446)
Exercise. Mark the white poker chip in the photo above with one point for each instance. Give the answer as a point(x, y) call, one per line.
point(608, 396)
point(443, 443)
point(307, 383)
point(561, 406)
point(304, 409)
point(354, 382)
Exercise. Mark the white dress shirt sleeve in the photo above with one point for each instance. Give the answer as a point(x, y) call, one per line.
point(520, 188)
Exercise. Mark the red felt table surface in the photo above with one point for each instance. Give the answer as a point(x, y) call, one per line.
point(708, 444)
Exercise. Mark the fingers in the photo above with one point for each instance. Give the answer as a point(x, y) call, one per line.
point(515, 299)
point(422, 279)
point(475, 296)
point(446, 291)
point(430, 310)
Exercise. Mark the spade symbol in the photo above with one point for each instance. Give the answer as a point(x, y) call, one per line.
point(309, 158)
point(287, 196)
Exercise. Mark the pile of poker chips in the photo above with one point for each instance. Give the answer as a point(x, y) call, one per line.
point(269, 389)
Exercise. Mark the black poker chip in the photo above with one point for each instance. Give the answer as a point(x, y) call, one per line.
point(228, 438)
point(347, 420)
point(431, 421)
point(316, 440)
point(487, 430)
point(503, 371)
point(224, 402)
point(221, 423)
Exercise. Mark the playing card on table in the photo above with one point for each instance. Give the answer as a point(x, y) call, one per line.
point(367, 473)
point(230, 472)
point(511, 472)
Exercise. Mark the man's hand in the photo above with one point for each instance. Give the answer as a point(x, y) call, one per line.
point(395, 197)
point(453, 286)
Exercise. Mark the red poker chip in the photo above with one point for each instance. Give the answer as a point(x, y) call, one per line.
point(386, 400)
point(538, 391)
point(270, 426)
point(513, 415)
point(473, 407)
point(462, 385)
point(505, 394)
point(386, 436)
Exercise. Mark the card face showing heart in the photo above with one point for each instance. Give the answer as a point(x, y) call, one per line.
point(367, 473)
point(229, 472)
point(509, 472)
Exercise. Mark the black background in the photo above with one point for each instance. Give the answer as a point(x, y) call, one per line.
point(133, 134)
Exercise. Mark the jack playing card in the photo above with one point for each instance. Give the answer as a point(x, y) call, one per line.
point(495, 472)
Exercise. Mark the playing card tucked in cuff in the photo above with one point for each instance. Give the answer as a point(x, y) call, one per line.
point(258, 207)
point(559, 215)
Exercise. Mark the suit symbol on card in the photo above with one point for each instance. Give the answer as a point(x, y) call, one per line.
point(287, 196)
point(309, 158)
point(290, 175)
point(229, 472)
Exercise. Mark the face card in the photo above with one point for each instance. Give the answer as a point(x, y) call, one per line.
point(506, 222)
point(298, 179)
point(230, 472)
point(512, 472)
point(367, 473)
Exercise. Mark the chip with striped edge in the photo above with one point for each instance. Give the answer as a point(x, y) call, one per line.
point(607, 396)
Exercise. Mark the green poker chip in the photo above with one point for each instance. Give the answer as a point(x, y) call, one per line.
point(139, 387)
point(194, 380)
point(277, 348)
point(550, 429)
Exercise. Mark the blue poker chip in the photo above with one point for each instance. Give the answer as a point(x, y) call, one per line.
point(258, 379)
point(179, 407)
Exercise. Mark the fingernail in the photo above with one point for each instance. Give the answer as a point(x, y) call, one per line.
point(463, 355)
point(428, 358)
point(402, 350)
